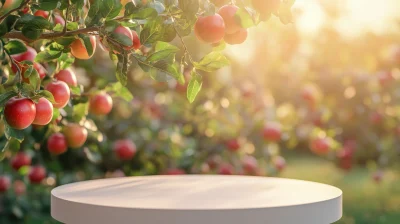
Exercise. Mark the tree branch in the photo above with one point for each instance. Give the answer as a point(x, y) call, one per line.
point(22, 5)
point(51, 35)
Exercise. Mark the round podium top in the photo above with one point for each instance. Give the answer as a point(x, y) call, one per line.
point(196, 199)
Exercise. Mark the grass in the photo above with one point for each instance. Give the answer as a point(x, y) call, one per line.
point(364, 201)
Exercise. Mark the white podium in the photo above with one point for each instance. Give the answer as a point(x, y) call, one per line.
point(196, 199)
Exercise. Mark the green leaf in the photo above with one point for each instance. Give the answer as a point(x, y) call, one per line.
point(122, 39)
point(158, 6)
point(4, 97)
point(46, 94)
point(212, 62)
point(189, 7)
point(86, 41)
point(13, 133)
point(79, 111)
point(8, 24)
point(194, 86)
point(162, 51)
point(52, 52)
point(246, 17)
point(65, 61)
point(31, 32)
point(110, 8)
point(72, 26)
point(151, 32)
point(146, 13)
point(119, 91)
point(15, 47)
point(48, 5)
point(65, 41)
point(94, 16)
point(34, 79)
point(121, 74)
point(58, 28)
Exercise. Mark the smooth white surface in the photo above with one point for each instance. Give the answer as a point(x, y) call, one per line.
point(195, 199)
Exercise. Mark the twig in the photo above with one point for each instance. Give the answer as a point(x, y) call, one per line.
point(22, 5)
point(181, 39)
point(51, 35)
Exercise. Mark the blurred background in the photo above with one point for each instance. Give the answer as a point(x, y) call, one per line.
point(315, 100)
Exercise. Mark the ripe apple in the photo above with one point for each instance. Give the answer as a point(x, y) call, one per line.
point(100, 104)
point(227, 13)
point(272, 132)
point(59, 20)
point(44, 112)
point(28, 55)
point(126, 32)
point(214, 161)
point(67, 76)
point(226, 169)
point(279, 163)
point(61, 93)
point(75, 135)
point(125, 149)
point(7, 4)
point(266, 6)
point(57, 144)
point(4, 183)
point(42, 13)
point(25, 10)
point(39, 68)
point(376, 118)
point(19, 187)
point(250, 165)
point(236, 38)
point(20, 160)
point(320, 146)
point(19, 112)
point(37, 174)
point(175, 171)
point(210, 29)
point(78, 49)
point(233, 145)
point(377, 176)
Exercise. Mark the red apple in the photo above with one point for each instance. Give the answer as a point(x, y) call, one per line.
point(226, 169)
point(57, 144)
point(20, 160)
point(100, 104)
point(232, 24)
point(233, 145)
point(61, 93)
point(19, 187)
point(59, 20)
point(377, 176)
point(44, 112)
point(78, 49)
point(279, 163)
point(250, 165)
point(236, 38)
point(210, 29)
point(67, 76)
point(42, 13)
point(4, 183)
point(19, 112)
point(37, 174)
point(124, 149)
point(320, 146)
point(272, 132)
point(75, 135)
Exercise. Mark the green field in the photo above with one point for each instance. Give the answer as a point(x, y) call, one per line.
point(365, 202)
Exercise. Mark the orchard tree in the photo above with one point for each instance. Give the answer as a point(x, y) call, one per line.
point(40, 40)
